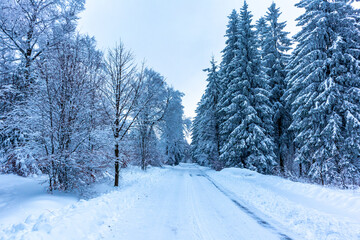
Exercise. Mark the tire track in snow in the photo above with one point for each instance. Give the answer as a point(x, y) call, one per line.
point(250, 213)
point(215, 209)
point(199, 230)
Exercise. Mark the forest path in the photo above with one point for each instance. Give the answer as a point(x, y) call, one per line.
point(187, 204)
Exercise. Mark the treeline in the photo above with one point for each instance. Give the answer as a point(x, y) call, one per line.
point(280, 111)
point(73, 112)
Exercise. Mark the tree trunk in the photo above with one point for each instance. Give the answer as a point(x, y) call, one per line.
point(117, 171)
point(281, 159)
point(282, 166)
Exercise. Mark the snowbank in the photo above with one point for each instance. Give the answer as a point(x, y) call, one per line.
point(85, 219)
point(21, 197)
point(312, 211)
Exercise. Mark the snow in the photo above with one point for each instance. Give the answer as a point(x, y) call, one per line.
point(21, 197)
point(312, 211)
point(84, 219)
point(183, 202)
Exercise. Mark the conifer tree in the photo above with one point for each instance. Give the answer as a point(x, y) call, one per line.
point(275, 45)
point(198, 143)
point(227, 66)
point(206, 124)
point(249, 144)
point(324, 92)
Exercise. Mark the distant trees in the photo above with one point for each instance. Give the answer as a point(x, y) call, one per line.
point(158, 135)
point(173, 128)
point(155, 96)
point(286, 114)
point(141, 104)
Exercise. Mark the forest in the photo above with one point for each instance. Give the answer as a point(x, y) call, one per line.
point(97, 144)
point(282, 106)
point(73, 112)
point(274, 104)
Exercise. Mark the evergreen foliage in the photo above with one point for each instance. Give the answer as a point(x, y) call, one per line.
point(250, 143)
point(275, 45)
point(206, 145)
point(323, 92)
point(226, 68)
point(280, 114)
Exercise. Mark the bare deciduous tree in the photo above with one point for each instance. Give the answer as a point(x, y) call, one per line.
point(122, 91)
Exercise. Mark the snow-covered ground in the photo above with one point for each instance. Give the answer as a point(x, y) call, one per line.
point(311, 211)
point(185, 202)
point(21, 197)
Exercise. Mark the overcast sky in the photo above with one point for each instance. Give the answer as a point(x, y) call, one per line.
point(176, 37)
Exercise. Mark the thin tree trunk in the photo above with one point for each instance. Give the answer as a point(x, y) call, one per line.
point(281, 159)
point(117, 163)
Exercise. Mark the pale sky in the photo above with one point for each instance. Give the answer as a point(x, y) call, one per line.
point(176, 37)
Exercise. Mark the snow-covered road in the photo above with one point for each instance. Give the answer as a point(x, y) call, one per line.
point(186, 205)
point(190, 202)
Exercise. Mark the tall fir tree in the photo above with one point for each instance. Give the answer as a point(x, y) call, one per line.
point(206, 124)
point(324, 92)
point(227, 66)
point(250, 143)
point(197, 136)
point(274, 46)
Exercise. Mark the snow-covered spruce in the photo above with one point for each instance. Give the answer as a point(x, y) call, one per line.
point(274, 47)
point(206, 137)
point(248, 116)
point(323, 92)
